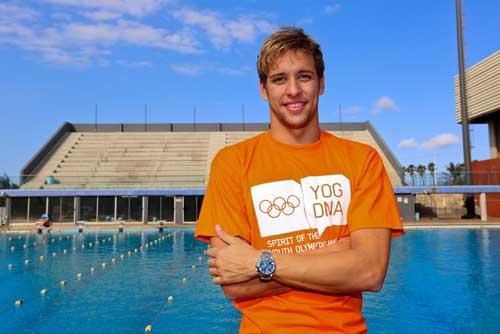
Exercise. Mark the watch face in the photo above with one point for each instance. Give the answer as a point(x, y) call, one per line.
point(266, 265)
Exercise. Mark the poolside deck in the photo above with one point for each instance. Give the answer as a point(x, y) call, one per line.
point(422, 224)
point(29, 227)
point(452, 223)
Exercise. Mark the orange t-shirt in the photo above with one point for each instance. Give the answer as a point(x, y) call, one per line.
point(292, 199)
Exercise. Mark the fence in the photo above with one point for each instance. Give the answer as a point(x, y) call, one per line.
point(446, 179)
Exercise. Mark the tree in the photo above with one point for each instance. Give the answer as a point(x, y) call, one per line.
point(456, 173)
point(411, 170)
point(421, 172)
point(431, 167)
point(6, 183)
point(403, 174)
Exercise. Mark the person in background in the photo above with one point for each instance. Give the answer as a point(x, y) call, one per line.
point(43, 224)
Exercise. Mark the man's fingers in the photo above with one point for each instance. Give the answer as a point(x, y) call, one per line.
point(217, 280)
point(211, 262)
point(212, 251)
point(227, 238)
point(213, 272)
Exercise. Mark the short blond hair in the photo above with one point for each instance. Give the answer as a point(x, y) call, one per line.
point(282, 41)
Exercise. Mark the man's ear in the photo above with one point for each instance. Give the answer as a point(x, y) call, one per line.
point(321, 86)
point(263, 92)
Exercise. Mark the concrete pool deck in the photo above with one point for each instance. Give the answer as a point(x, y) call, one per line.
point(452, 223)
point(422, 224)
point(30, 227)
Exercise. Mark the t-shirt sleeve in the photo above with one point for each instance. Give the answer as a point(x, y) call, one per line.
point(373, 204)
point(223, 203)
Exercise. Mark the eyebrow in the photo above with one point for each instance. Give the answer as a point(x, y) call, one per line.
point(276, 75)
point(306, 71)
point(283, 73)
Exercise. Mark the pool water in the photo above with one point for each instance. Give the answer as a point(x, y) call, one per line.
point(439, 281)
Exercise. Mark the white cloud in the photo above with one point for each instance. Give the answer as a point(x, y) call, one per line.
point(199, 69)
point(385, 103)
point(191, 70)
point(124, 7)
point(134, 64)
point(60, 16)
point(128, 32)
point(332, 8)
point(408, 143)
point(101, 15)
point(233, 71)
point(222, 33)
point(14, 13)
point(440, 141)
point(80, 43)
point(86, 32)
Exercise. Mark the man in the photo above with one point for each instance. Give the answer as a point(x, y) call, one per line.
point(299, 221)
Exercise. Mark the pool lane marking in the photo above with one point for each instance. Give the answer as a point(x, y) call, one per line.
point(122, 257)
point(27, 241)
point(42, 262)
point(75, 249)
point(170, 299)
point(27, 245)
point(63, 284)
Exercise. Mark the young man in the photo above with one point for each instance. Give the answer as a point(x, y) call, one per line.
point(299, 220)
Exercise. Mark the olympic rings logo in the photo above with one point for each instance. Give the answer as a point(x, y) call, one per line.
point(279, 205)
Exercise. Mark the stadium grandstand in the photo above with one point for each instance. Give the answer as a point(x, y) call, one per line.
point(140, 172)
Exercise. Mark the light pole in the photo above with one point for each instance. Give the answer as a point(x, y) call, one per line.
point(469, 198)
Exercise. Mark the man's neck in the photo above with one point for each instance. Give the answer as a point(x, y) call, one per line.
point(306, 135)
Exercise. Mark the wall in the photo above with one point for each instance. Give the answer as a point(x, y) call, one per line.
point(487, 172)
point(444, 206)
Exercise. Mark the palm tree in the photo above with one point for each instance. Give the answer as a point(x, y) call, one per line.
point(431, 167)
point(411, 170)
point(421, 172)
point(6, 183)
point(403, 174)
point(456, 173)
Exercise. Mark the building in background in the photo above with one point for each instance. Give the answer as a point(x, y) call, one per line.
point(483, 107)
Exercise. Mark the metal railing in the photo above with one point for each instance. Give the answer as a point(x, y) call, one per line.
point(446, 179)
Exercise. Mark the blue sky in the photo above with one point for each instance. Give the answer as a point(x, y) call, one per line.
point(389, 62)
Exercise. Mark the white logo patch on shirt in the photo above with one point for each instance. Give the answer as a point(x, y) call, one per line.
point(279, 207)
point(287, 206)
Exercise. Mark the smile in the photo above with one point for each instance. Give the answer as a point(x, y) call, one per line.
point(295, 106)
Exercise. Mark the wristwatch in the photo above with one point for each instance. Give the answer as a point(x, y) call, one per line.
point(266, 266)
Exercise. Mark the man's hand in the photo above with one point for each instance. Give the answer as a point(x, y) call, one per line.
point(234, 263)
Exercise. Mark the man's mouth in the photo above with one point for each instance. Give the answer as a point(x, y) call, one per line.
point(294, 106)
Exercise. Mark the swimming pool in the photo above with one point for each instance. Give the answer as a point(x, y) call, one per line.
point(439, 281)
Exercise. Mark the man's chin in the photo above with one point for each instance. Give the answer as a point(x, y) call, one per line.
point(295, 124)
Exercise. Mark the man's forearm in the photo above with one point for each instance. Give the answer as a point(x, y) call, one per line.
point(254, 288)
point(351, 270)
point(360, 268)
point(344, 272)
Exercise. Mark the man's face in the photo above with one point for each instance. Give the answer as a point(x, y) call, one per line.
point(293, 89)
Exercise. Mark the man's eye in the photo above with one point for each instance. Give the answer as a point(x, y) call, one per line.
point(305, 77)
point(278, 80)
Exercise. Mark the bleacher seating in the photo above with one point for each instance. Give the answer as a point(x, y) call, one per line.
point(147, 159)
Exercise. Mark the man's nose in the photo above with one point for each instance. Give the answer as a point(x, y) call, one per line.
point(293, 87)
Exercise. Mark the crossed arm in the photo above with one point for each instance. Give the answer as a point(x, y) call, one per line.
point(358, 263)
